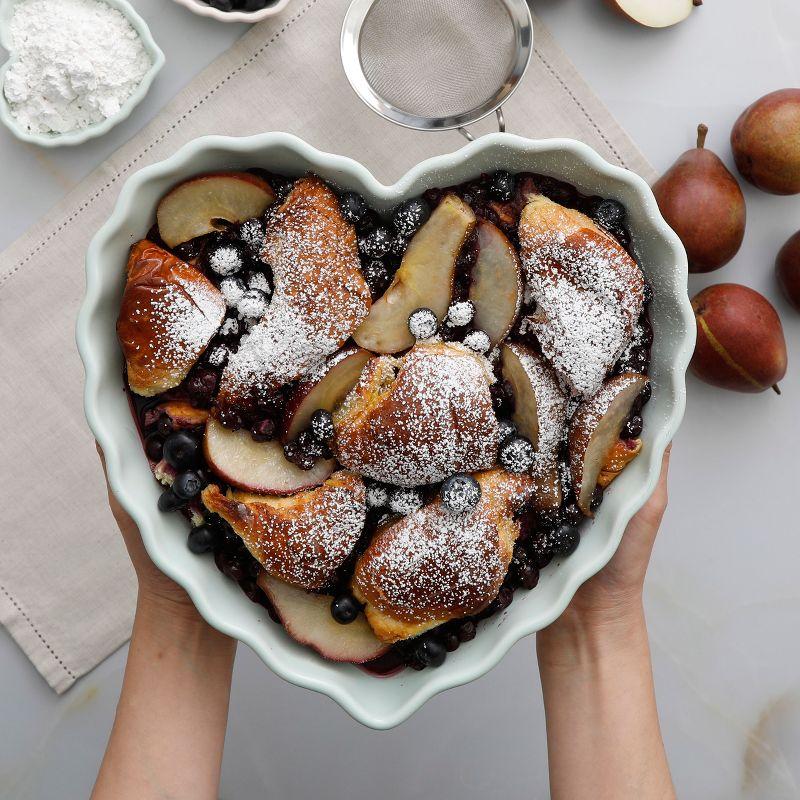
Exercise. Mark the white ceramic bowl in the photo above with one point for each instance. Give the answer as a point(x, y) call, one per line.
point(205, 10)
point(99, 128)
point(379, 703)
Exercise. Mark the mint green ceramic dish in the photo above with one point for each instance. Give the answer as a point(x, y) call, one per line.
point(99, 128)
point(386, 702)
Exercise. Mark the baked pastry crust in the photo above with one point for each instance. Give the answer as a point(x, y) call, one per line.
point(320, 295)
point(420, 418)
point(435, 565)
point(169, 313)
point(589, 292)
point(301, 539)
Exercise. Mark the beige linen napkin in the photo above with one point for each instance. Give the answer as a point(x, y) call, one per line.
point(66, 586)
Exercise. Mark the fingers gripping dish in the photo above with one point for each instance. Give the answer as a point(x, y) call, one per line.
point(382, 428)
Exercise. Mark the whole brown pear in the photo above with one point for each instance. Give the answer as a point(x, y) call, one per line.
point(787, 270)
point(703, 203)
point(740, 343)
point(766, 142)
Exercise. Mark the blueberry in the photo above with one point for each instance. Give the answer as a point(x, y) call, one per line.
point(310, 445)
point(451, 641)
point(253, 304)
point(221, 5)
point(478, 341)
point(597, 498)
point(564, 540)
point(169, 501)
point(251, 232)
point(503, 600)
point(345, 608)
point(466, 631)
point(460, 314)
point(229, 419)
point(517, 455)
point(528, 576)
point(507, 430)
point(405, 501)
point(354, 209)
point(376, 243)
point(249, 5)
point(263, 430)
point(201, 539)
point(322, 425)
point(227, 258)
point(377, 495)
point(181, 450)
point(218, 356)
point(187, 485)
point(423, 323)
point(502, 186)
point(164, 426)
point(646, 393)
point(377, 276)
point(306, 462)
point(154, 447)
point(291, 451)
point(633, 427)
point(398, 246)
point(461, 493)
point(610, 214)
point(410, 216)
point(431, 652)
point(201, 386)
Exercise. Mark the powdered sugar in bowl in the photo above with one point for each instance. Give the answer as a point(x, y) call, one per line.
point(81, 94)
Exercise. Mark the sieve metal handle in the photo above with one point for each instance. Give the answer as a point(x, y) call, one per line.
point(501, 124)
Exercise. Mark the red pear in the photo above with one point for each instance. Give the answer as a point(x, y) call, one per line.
point(703, 203)
point(766, 142)
point(740, 343)
point(787, 270)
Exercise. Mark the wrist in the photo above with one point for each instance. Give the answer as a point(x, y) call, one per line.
point(173, 621)
point(581, 638)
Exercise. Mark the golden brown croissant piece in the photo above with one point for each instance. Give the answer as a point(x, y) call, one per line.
point(588, 290)
point(420, 418)
point(320, 296)
point(300, 539)
point(435, 565)
point(169, 313)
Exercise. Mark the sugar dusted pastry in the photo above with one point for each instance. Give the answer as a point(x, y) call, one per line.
point(300, 539)
point(169, 313)
point(420, 418)
point(435, 565)
point(588, 290)
point(320, 295)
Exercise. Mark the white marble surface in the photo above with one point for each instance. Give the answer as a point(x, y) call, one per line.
point(723, 598)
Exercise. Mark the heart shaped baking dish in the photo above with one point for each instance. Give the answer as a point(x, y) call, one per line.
point(385, 702)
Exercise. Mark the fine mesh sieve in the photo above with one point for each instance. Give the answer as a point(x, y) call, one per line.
point(436, 64)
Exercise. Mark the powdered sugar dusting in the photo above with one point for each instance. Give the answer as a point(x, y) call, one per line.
point(320, 295)
point(435, 564)
point(433, 419)
point(304, 543)
point(589, 292)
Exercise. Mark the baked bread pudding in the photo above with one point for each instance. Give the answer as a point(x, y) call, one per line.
point(381, 428)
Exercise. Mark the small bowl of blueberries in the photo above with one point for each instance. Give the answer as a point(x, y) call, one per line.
point(249, 11)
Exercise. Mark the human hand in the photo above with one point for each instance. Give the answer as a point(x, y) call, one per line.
point(611, 601)
point(154, 586)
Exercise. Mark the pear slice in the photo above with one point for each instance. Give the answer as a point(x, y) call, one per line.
point(540, 414)
point(194, 207)
point(594, 431)
point(496, 287)
point(424, 279)
point(257, 466)
point(307, 619)
point(654, 13)
point(325, 388)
